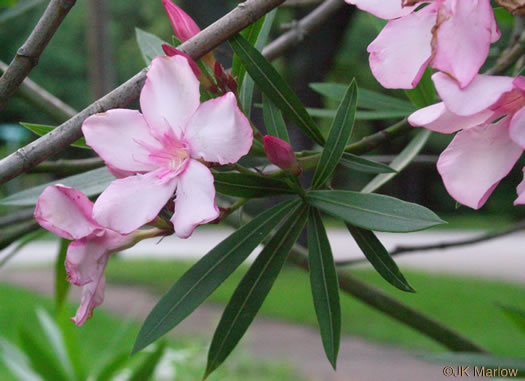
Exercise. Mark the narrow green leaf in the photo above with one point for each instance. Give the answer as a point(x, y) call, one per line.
point(374, 211)
point(42, 360)
point(516, 315)
point(359, 115)
point(17, 362)
point(208, 274)
point(42, 129)
point(423, 94)
point(253, 289)
point(273, 120)
point(115, 364)
point(147, 368)
point(379, 257)
point(91, 183)
point(361, 164)
point(325, 288)
point(250, 34)
point(258, 40)
point(486, 363)
point(21, 7)
point(272, 84)
point(251, 186)
point(61, 283)
point(56, 342)
point(340, 131)
point(149, 45)
point(368, 99)
point(405, 157)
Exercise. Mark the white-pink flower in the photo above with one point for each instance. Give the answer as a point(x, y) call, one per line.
point(453, 36)
point(163, 150)
point(490, 115)
point(67, 212)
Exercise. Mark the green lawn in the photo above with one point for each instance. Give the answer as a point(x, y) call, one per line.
point(465, 304)
point(105, 334)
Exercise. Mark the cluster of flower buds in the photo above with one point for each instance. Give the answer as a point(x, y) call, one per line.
point(224, 82)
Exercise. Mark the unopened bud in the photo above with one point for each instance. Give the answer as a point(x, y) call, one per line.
point(183, 25)
point(280, 153)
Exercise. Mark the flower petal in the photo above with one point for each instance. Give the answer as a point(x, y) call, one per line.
point(218, 131)
point(475, 162)
point(517, 127)
point(483, 92)
point(385, 9)
point(170, 94)
point(92, 296)
point(400, 53)
point(86, 258)
point(462, 40)
point(129, 203)
point(437, 118)
point(195, 202)
point(66, 212)
point(116, 136)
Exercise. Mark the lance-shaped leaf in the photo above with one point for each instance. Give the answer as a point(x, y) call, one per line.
point(374, 211)
point(251, 186)
point(253, 289)
point(208, 274)
point(42, 129)
point(61, 283)
point(379, 257)
point(368, 99)
point(273, 120)
point(246, 83)
point(147, 368)
point(423, 94)
point(361, 164)
point(274, 86)
point(91, 183)
point(325, 289)
point(405, 157)
point(149, 45)
point(339, 133)
point(359, 115)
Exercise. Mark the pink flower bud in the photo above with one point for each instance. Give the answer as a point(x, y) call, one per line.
point(182, 24)
point(281, 154)
point(171, 51)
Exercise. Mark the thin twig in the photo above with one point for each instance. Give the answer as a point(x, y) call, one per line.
point(64, 167)
point(398, 250)
point(513, 53)
point(27, 56)
point(385, 303)
point(16, 217)
point(61, 137)
point(302, 28)
point(42, 99)
point(16, 233)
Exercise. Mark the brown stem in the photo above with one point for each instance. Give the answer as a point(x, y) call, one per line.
point(27, 56)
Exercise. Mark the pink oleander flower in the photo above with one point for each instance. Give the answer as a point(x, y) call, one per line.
point(67, 212)
point(281, 153)
point(490, 117)
point(453, 36)
point(163, 150)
